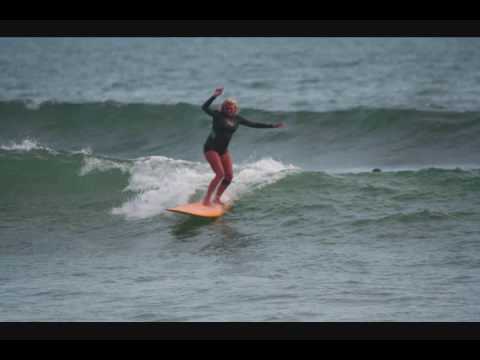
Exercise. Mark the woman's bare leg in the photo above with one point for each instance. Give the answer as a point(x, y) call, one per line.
point(215, 162)
point(228, 176)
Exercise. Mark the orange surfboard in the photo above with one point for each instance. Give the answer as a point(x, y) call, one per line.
point(198, 209)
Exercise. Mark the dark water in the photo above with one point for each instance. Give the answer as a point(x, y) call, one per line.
point(99, 136)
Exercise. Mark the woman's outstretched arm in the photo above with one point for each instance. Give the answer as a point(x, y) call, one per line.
point(245, 122)
point(206, 105)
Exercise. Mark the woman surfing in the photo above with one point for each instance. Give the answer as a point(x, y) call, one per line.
point(225, 123)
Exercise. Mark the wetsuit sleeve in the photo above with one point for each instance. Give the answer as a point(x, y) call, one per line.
point(245, 122)
point(206, 106)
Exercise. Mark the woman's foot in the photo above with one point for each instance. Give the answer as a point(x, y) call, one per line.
point(219, 202)
point(206, 202)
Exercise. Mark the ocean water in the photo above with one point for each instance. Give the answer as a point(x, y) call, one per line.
point(98, 136)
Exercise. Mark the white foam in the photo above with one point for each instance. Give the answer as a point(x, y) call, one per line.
point(91, 164)
point(258, 174)
point(31, 145)
point(26, 145)
point(161, 182)
point(84, 151)
point(35, 104)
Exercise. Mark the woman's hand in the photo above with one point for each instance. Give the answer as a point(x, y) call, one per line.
point(218, 92)
point(279, 125)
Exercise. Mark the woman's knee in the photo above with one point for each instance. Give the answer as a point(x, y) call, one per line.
point(219, 175)
point(228, 178)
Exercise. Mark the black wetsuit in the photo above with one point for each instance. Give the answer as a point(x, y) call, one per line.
point(223, 128)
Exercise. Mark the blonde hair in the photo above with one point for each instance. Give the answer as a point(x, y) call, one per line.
point(231, 101)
